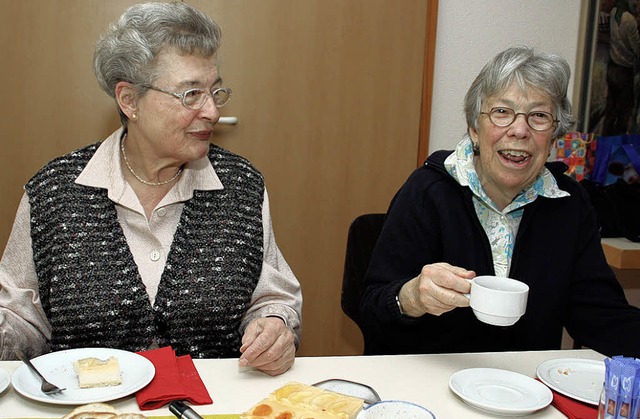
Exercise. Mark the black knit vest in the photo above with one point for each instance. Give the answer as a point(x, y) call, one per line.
point(89, 284)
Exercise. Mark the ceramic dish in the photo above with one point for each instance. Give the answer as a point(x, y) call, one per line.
point(136, 371)
point(350, 388)
point(580, 379)
point(395, 409)
point(5, 379)
point(500, 392)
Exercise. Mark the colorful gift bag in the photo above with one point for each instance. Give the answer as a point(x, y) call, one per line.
point(577, 151)
point(614, 186)
point(617, 157)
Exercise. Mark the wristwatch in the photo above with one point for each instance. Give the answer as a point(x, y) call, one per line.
point(399, 305)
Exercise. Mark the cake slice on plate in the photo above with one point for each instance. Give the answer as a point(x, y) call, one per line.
point(94, 372)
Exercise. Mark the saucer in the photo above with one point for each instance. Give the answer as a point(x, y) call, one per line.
point(5, 379)
point(500, 392)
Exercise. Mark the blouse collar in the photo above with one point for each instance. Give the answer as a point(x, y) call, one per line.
point(459, 165)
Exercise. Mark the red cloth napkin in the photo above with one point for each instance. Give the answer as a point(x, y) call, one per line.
point(176, 379)
point(573, 409)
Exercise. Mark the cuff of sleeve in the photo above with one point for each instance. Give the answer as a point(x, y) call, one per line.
point(284, 313)
point(394, 306)
point(284, 319)
point(276, 311)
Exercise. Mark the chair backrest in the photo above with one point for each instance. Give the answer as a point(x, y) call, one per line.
point(361, 239)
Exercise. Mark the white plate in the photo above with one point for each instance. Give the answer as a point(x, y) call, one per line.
point(136, 370)
point(5, 379)
point(501, 392)
point(580, 379)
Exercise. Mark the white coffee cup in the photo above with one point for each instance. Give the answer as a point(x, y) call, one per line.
point(498, 300)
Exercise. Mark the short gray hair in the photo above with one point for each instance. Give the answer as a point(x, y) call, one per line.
point(128, 50)
point(548, 73)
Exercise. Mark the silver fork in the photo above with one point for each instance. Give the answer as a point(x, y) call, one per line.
point(46, 387)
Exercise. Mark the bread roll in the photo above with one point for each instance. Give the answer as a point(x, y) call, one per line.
point(98, 410)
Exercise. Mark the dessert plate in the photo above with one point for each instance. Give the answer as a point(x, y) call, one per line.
point(5, 379)
point(136, 371)
point(500, 392)
point(580, 379)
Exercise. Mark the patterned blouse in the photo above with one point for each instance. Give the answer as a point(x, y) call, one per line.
point(501, 226)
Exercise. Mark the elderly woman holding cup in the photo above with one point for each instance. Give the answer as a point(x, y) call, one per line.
point(494, 206)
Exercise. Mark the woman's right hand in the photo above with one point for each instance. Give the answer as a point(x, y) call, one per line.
point(439, 288)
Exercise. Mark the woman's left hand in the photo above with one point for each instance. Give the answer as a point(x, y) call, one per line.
point(268, 345)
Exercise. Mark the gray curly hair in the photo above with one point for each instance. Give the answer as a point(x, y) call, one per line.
point(548, 73)
point(128, 50)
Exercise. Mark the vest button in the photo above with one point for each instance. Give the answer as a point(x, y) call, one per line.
point(161, 212)
point(154, 255)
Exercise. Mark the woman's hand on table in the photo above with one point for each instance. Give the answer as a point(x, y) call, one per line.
point(439, 288)
point(268, 345)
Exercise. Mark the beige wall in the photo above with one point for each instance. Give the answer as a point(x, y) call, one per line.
point(51, 102)
point(471, 32)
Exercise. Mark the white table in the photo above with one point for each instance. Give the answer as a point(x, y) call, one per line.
point(421, 379)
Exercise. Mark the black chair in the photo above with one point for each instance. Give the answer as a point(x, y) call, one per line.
point(361, 239)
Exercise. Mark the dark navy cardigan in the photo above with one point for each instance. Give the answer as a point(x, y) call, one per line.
point(557, 252)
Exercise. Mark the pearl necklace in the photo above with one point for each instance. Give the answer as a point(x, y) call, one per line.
point(146, 182)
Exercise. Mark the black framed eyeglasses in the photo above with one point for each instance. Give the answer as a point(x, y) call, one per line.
point(195, 98)
point(537, 120)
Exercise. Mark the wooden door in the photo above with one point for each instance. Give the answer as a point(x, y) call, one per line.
point(327, 94)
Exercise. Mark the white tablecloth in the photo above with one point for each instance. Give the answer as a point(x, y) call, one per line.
point(422, 379)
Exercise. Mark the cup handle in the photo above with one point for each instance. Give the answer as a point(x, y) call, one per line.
point(469, 295)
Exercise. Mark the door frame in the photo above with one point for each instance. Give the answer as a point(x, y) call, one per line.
point(427, 81)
